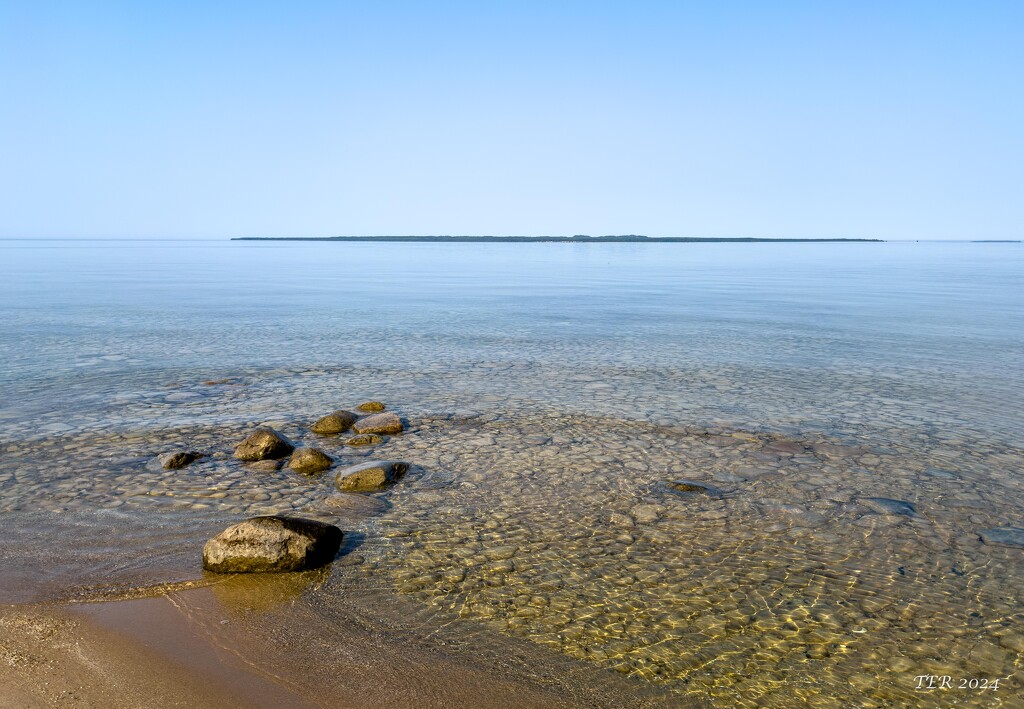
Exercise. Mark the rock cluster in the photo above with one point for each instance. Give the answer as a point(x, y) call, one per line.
point(278, 543)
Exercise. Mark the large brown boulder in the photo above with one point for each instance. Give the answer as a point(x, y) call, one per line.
point(272, 544)
point(335, 422)
point(387, 422)
point(264, 444)
point(370, 477)
point(309, 461)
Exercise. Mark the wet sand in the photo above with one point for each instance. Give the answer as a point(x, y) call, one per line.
point(262, 641)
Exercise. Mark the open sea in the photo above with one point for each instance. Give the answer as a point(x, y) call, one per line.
point(854, 411)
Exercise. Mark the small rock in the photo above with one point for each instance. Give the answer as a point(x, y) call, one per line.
point(272, 544)
point(370, 477)
point(264, 444)
point(940, 473)
point(695, 488)
point(647, 513)
point(359, 504)
point(618, 519)
point(784, 447)
point(885, 506)
point(372, 406)
point(500, 553)
point(1013, 641)
point(336, 422)
point(1006, 536)
point(537, 440)
point(379, 423)
point(899, 663)
point(266, 466)
point(367, 439)
point(176, 460)
point(309, 461)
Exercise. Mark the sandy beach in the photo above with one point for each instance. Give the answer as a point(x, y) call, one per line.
point(259, 642)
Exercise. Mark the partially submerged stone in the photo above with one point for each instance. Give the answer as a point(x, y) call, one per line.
point(309, 461)
point(371, 407)
point(367, 439)
point(272, 544)
point(176, 460)
point(334, 422)
point(370, 477)
point(1005, 536)
point(263, 444)
point(379, 423)
point(886, 506)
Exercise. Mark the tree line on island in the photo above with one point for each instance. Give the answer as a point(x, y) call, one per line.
point(577, 238)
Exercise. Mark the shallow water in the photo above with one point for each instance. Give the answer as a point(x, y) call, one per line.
point(552, 391)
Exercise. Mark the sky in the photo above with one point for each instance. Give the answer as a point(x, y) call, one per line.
point(892, 120)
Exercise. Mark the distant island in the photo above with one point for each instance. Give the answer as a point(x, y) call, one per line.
point(578, 238)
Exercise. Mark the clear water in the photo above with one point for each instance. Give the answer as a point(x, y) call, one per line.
point(556, 385)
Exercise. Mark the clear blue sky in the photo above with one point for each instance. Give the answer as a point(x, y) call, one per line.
point(779, 119)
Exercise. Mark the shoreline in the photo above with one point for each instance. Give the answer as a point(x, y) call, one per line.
point(254, 641)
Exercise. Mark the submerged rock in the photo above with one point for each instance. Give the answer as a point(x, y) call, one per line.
point(367, 439)
point(357, 504)
point(695, 488)
point(370, 477)
point(372, 406)
point(647, 513)
point(1005, 536)
point(176, 460)
point(379, 423)
point(617, 519)
point(309, 461)
point(266, 466)
point(885, 506)
point(335, 422)
point(263, 444)
point(784, 447)
point(272, 544)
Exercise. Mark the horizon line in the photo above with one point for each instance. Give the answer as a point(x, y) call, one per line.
point(577, 238)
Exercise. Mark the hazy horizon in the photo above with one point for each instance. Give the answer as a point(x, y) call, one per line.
point(735, 120)
point(384, 237)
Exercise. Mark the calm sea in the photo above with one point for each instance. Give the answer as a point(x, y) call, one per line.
point(937, 329)
point(552, 392)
